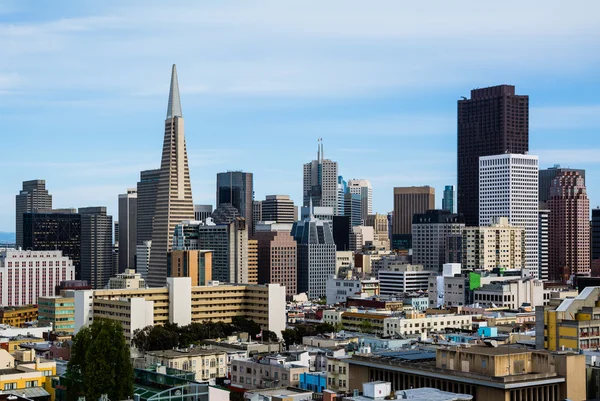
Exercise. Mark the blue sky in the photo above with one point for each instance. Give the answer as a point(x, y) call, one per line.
point(84, 89)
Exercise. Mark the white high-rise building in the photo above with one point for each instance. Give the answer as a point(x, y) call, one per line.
point(508, 187)
point(320, 182)
point(27, 275)
point(365, 190)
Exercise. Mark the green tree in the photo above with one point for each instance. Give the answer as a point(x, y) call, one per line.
point(366, 327)
point(100, 363)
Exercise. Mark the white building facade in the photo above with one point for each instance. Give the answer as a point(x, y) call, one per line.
point(398, 279)
point(338, 290)
point(365, 190)
point(508, 187)
point(27, 275)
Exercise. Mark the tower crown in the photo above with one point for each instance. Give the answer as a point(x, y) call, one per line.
point(174, 106)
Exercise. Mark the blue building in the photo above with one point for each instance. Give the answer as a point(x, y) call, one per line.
point(448, 200)
point(314, 381)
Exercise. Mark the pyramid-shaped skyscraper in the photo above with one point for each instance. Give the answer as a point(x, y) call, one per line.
point(174, 194)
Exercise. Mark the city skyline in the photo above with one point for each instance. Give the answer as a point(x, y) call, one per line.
point(400, 94)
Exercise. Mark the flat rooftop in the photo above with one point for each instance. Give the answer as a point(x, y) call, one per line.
point(420, 394)
point(177, 353)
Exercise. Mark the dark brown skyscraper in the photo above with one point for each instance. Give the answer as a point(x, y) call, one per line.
point(569, 228)
point(494, 121)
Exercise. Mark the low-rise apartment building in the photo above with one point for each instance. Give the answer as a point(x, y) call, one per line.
point(207, 363)
point(365, 321)
point(267, 372)
point(512, 294)
point(18, 316)
point(338, 289)
point(422, 323)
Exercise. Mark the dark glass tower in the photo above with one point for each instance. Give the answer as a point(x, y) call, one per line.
point(55, 230)
point(494, 121)
point(236, 188)
point(596, 233)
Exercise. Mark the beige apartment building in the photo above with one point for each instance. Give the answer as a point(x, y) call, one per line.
point(207, 363)
point(180, 302)
point(499, 245)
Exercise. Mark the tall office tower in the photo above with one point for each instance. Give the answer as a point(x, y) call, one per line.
point(353, 208)
point(147, 189)
point(116, 234)
point(379, 222)
point(142, 256)
point(409, 201)
point(316, 255)
point(34, 196)
point(448, 199)
point(320, 182)
point(257, 215)
point(174, 194)
point(497, 246)
point(279, 208)
point(430, 231)
point(201, 212)
point(548, 175)
point(277, 258)
point(236, 188)
point(27, 275)
point(543, 225)
point(127, 229)
point(96, 246)
point(229, 244)
point(595, 233)
point(342, 189)
point(342, 230)
point(252, 261)
point(508, 187)
point(569, 234)
point(494, 121)
point(58, 229)
point(365, 190)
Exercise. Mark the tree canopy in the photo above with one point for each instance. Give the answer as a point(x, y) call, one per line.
point(100, 363)
point(294, 335)
point(169, 336)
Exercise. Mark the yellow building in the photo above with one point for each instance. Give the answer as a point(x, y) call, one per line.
point(14, 343)
point(18, 316)
point(338, 374)
point(573, 323)
point(25, 374)
point(58, 311)
point(252, 261)
point(191, 263)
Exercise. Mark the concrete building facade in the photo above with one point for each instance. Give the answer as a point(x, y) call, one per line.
point(316, 255)
point(499, 245)
point(430, 231)
point(33, 197)
point(320, 182)
point(277, 259)
point(279, 209)
point(27, 275)
point(399, 278)
point(569, 230)
point(96, 246)
point(508, 187)
point(364, 189)
point(409, 201)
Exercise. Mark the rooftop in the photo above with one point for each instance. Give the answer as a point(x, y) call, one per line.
point(177, 353)
point(420, 394)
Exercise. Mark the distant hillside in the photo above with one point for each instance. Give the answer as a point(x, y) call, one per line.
point(7, 237)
